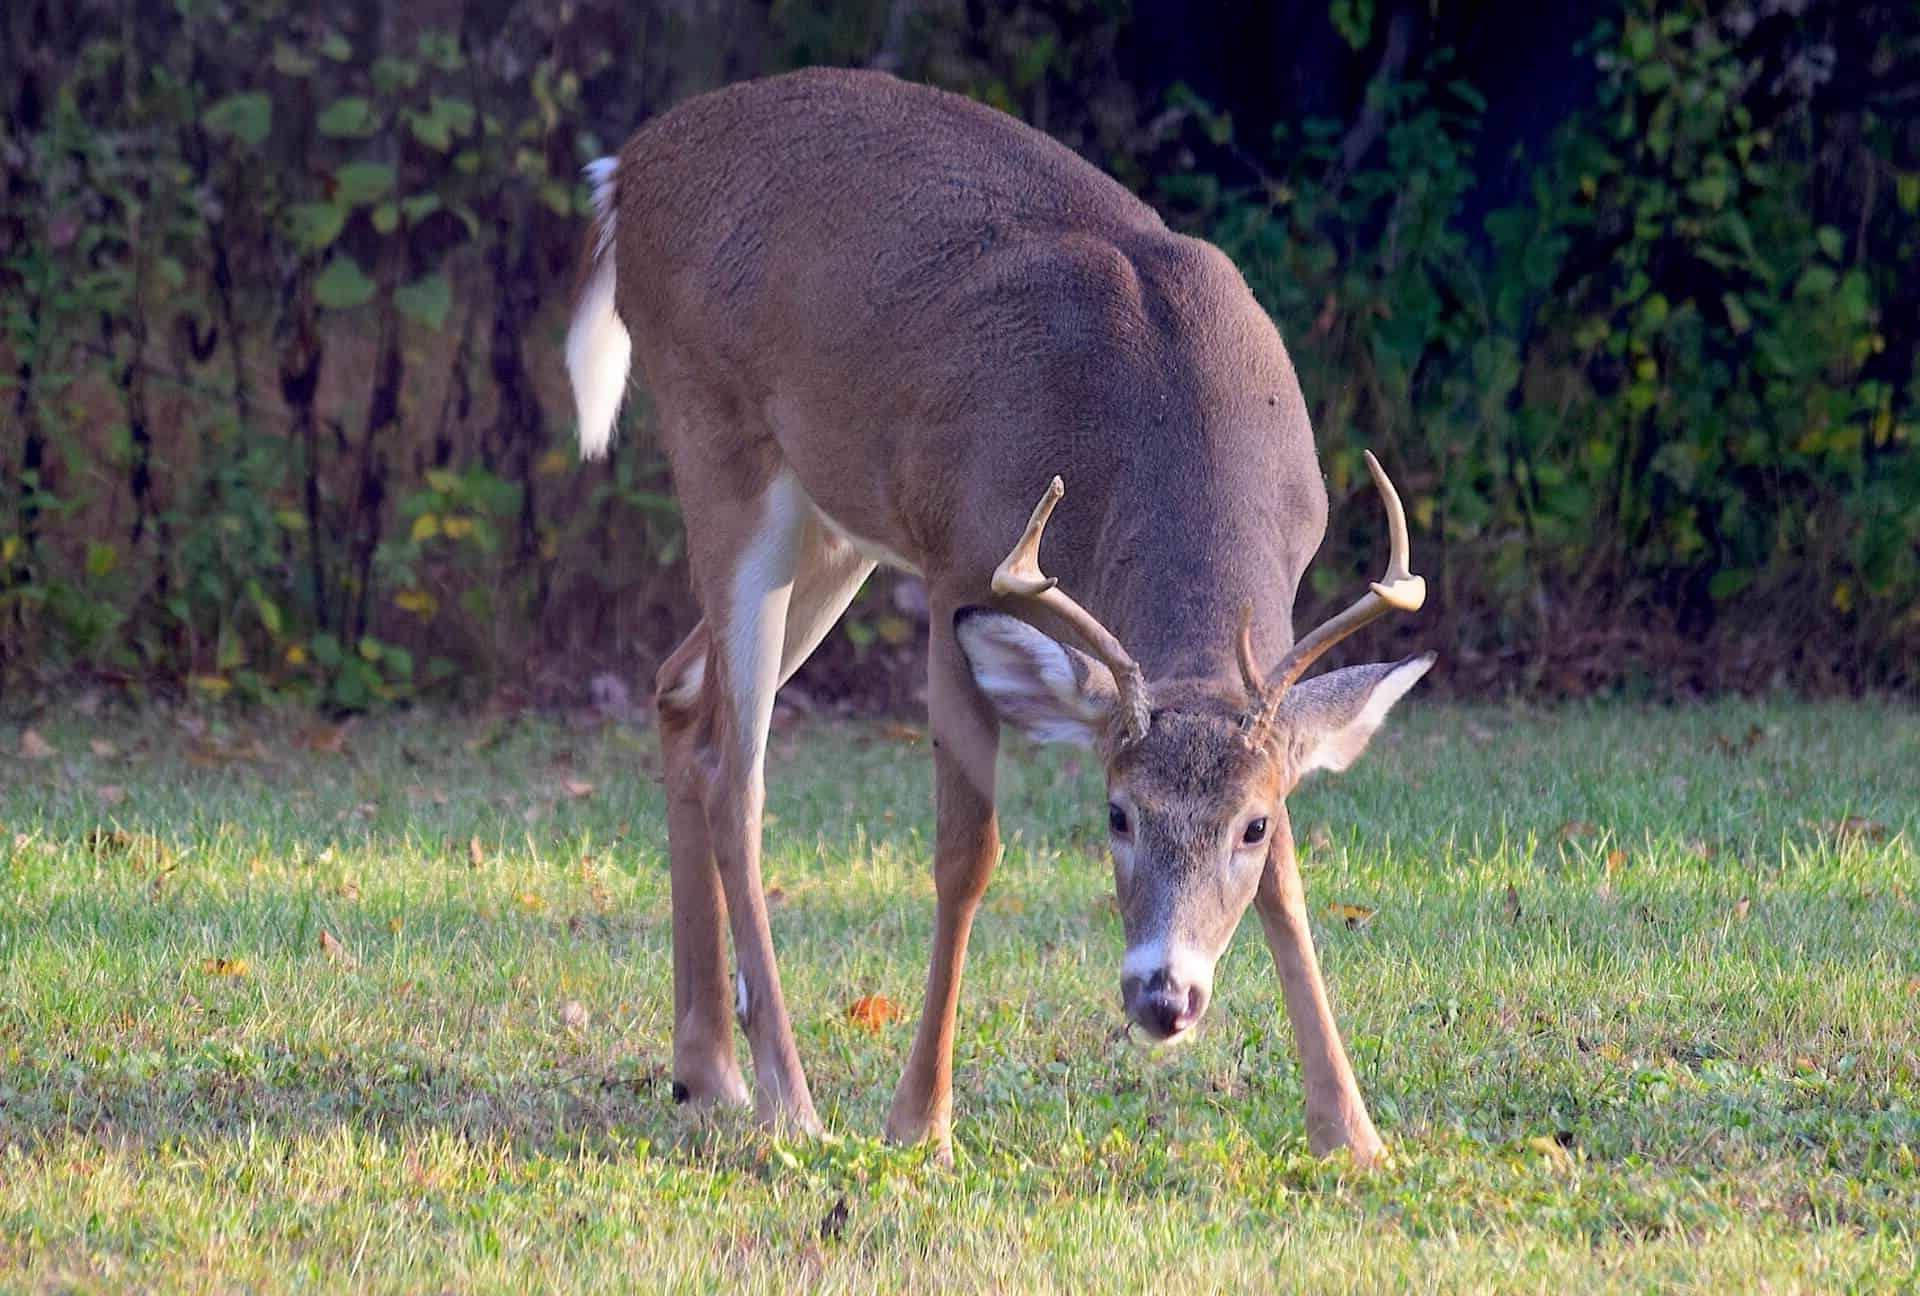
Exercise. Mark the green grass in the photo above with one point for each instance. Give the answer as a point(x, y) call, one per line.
point(1636, 1011)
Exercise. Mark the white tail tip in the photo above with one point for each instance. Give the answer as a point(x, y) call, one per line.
point(599, 350)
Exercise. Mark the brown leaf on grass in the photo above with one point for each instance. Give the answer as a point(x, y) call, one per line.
point(1512, 904)
point(1355, 916)
point(576, 789)
point(1573, 828)
point(1859, 828)
point(35, 748)
point(476, 858)
point(325, 738)
point(1738, 746)
point(1741, 907)
point(871, 1012)
point(1616, 860)
point(330, 946)
point(224, 967)
point(103, 749)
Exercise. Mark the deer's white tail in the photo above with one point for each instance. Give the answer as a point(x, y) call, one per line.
point(599, 350)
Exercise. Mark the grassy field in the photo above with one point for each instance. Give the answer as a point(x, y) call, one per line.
point(1637, 1007)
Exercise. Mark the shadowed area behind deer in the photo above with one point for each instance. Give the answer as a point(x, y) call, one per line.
point(1633, 992)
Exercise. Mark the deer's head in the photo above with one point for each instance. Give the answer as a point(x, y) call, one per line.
point(1198, 772)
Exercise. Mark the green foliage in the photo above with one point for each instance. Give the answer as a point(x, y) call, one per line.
point(1653, 396)
point(273, 278)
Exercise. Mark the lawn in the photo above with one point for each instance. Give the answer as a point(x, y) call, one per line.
point(1634, 994)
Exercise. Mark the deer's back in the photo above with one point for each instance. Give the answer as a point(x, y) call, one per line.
point(888, 275)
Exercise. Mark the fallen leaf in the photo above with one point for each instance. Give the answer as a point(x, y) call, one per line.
point(1740, 909)
point(1512, 904)
point(476, 858)
point(35, 748)
point(871, 1012)
point(1740, 746)
point(104, 749)
point(1356, 916)
point(330, 946)
point(1616, 860)
point(573, 1015)
point(1857, 826)
point(576, 789)
point(326, 738)
point(226, 967)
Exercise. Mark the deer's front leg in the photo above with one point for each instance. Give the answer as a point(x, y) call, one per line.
point(1336, 1114)
point(967, 845)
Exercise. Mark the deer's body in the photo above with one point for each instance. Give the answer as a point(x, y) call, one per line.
point(876, 319)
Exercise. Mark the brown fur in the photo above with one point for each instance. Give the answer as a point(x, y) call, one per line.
point(922, 310)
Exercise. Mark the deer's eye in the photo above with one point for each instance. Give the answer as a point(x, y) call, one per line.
point(1117, 819)
point(1255, 834)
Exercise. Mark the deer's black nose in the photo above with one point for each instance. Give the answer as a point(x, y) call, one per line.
point(1161, 1005)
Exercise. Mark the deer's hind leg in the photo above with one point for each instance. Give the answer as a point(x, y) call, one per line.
point(772, 581)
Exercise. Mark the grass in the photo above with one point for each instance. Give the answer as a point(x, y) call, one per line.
point(1639, 1008)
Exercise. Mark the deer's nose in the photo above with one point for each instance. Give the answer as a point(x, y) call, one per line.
point(1162, 1004)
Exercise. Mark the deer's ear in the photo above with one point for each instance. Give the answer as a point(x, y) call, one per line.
point(1331, 718)
point(1048, 691)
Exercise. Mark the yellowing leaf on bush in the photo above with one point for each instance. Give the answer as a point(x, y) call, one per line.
point(1355, 916)
point(425, 527)
point(554, 462)
point(418, 602)
point(212, 685)
point(35, 748)
point(296, 654)
point(457, 528)
point(224, 967)
point(871, 1012)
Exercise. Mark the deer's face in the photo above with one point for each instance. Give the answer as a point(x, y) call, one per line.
point(1191, 813)
point(1193, 805)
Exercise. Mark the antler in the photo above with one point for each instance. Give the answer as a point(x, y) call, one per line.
point(1019, 577)
point(1399, 590)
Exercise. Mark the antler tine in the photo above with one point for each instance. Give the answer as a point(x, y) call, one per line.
point(1398, 590)
point(1018, 577)
point(1249, 664)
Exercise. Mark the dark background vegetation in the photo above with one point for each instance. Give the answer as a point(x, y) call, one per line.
point(1624, 293)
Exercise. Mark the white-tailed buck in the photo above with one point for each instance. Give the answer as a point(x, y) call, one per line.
point(877, 322)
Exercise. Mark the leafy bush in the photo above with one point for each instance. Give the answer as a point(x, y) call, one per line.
point(283, 291)
point(1649, 425)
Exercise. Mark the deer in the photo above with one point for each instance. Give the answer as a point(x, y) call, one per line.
point(876, 322)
